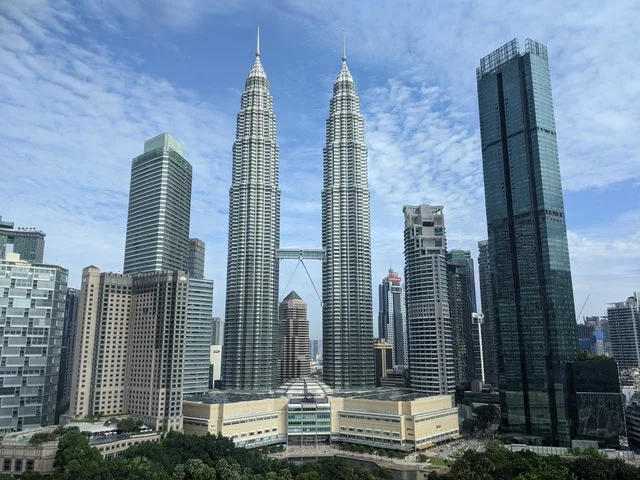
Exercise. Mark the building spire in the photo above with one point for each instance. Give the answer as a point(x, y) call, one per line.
point(344, 46)
point(258, 43)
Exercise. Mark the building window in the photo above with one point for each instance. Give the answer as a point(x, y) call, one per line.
point(6, 465)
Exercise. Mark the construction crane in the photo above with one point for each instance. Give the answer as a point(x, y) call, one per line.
point(583, 305)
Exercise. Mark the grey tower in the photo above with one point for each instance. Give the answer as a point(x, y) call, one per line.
point(431, 360)
point(528, 252)
point(347, 313)
point(196, 258)
point(392, 318)
point(26, 242)
point(251, 312)
point(159, 208)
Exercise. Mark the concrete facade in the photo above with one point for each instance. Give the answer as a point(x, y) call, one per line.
point(293, 358)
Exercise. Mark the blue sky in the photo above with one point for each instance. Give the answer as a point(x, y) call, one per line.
point(83, 84)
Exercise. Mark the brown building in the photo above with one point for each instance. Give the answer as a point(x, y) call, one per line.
point(383, 359)
point(293, 358)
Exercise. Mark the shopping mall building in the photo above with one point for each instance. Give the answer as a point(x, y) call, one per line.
point(307, 412)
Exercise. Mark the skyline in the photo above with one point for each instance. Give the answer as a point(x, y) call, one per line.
point(69, 69)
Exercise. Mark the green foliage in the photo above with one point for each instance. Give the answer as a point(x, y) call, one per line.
point(194, 469)
point(585, 356)
point(485, 416)
point(129, 425)
point(42, 437)
point(77, 460)
point(468, 426)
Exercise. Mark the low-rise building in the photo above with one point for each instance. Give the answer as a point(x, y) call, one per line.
point(306, 411)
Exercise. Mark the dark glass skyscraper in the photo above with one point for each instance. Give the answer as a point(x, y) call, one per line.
point(392, 318)
point(489, 338)
point(528, 252)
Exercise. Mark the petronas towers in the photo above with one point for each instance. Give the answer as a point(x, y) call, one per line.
point(251, 313)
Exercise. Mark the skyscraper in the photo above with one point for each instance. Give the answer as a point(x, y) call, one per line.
point(68, 342)
point(528, 252)
point(477, 333)
point(159, 208)
point(197, 348)
point(489, 338)
point(382, 354)
point(32, 300)
point(196, 258)
point(392, 317)
point(347, 314)
point(26, 242)
point(293, 358)
point(431, 361)
point(462, 305)
point(251, 312)
point(217, 331)
point(624, 329)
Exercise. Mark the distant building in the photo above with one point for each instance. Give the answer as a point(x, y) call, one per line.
point(596, 406)
point(32, 319)
point(601, 342)
point(196, 258)
point(586, 338)
point(392, 317)
point(198, 337)
point(382, 352)
point(477, 332)
point(624, 331)
point(26, 242)
point(293, 356)
point(217, 331)
point(67, 349)
point(431, 356)
point(489, 338)
point(462, 304)
point(315, 349)
point(159, 208)
point(215, 365)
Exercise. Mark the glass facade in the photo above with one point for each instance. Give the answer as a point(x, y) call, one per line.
point(197, 348)
point(308, 420)
point(159, 208)
point(196, 258)
point(27, 242)
point(528, 252)
point(32, 304)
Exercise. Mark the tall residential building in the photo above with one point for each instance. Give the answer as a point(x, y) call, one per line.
point(431, 356)
point(26, 242)
point(462, 305)
point(528, 251)
point(347, 313)
point(477, 334)
point(217, 331)
point(159, 208)
point(383, 358)
point(293, 357)
point(129, 346)
point(196, 258)
point(68, 341)
point(624, 331)
point(489, 334)
point(32, 301)
point(155, 362)
point(198, 338)
point(101, 344)
point(250, 349)
point(392, 317)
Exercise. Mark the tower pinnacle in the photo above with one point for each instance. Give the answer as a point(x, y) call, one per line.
point(258, 43)
point(344, 46)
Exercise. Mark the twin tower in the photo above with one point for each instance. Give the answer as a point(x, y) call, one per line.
point(251, 313)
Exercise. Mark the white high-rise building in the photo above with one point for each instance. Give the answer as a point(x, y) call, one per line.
point(431, 365)
point(251, 312)
point(347, 313)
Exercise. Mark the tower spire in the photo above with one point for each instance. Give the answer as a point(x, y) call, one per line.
point(344, 46)
point(258, 43)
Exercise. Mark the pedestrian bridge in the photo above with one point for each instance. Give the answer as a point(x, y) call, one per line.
point(301, 254)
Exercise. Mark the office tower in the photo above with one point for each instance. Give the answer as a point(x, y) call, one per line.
point(462, 304)
point(431, 361)
point(315, 349)
point(601, 344)
point(26, 242)
point(217, 331)
point(215, 365)
point(293, 357)
point(489, 334)
point(528, 252)
point(347, 313)
point(157, 340)
point(251, 310)
point(101, 344)
point(624, 331)
point(159, 208)
point(68, 340)
point(477, 333)
point(383, 358)
point(596, 406)
point(198, 338)
point(32, 300)
point(392, 317)
point(586, 338)
point(196, 258)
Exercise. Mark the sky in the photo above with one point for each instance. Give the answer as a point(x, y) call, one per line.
point(84, 83)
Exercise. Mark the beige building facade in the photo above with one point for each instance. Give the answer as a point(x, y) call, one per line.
point(293, 356)
point(385, 418)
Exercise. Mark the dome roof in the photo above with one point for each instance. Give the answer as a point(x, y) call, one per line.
point(299, 387)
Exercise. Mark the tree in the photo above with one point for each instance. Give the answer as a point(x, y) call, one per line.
point(485, 416)
point(468, 426)
point(137, 468)
point(77, 460)
point(129, 425)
